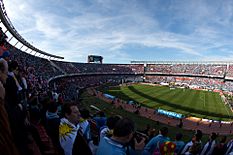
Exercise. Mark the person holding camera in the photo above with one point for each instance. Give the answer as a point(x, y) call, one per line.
point(119, 143)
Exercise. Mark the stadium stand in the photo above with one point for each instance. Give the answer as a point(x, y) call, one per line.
point(75, 76)
point(33, 84)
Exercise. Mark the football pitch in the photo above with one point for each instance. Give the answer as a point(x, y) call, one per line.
point(203, 104)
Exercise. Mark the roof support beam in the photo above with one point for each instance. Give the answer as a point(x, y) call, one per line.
point(9, 27)
point(10, 39)
point(26, 49)
point(16, 43)
point(21, 47)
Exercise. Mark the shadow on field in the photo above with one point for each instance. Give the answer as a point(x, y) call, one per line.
point(177, 106)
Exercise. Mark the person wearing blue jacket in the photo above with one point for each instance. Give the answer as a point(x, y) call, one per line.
point(154, 144)
point(118, 144)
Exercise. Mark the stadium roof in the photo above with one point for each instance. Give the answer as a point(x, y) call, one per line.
point(6, 21)
point(182, 62)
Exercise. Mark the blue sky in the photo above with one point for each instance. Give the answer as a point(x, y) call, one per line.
point(125, 30)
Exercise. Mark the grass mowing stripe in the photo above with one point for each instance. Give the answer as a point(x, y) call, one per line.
point(217, 104)
point(178, 97)
point(210, 101)
point(186, 101)
point(140, 122)
point(195, 105)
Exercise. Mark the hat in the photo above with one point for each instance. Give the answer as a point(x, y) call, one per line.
point(5, 54)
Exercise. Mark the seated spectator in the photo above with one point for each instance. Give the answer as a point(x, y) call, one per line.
point(69, 127)
point(118, 144)
point(179, 143)
point(151, 133)
point(229, 150)
point(209, 146)
point(148, 128)
point(194, 146)
point(221, 147)
point(154, 144)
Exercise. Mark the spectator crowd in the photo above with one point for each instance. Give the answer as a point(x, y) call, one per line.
point(35, 119)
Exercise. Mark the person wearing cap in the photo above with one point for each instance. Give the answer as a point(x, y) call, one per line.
point(5, 55)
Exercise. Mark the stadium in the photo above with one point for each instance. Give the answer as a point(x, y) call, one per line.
point(183, 96)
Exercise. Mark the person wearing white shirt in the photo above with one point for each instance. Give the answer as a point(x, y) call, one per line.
point(69, 127)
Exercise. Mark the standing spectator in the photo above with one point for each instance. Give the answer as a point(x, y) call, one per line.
point(85, 125)
point(68, 127)
point(108, 129)
point(5, 55)
point(6, 140)
point(23, 82)
point(12, 85)
point(118, 143)
point(52, 124)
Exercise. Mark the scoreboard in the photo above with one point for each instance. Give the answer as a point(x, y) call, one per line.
point(95, 59)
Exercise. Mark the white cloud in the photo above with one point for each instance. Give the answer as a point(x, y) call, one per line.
point(105, 27)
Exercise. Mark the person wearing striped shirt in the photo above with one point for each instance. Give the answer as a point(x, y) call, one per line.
point(209, 146)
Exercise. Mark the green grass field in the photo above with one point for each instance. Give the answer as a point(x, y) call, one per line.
point(186, 101)
point(140, 122)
